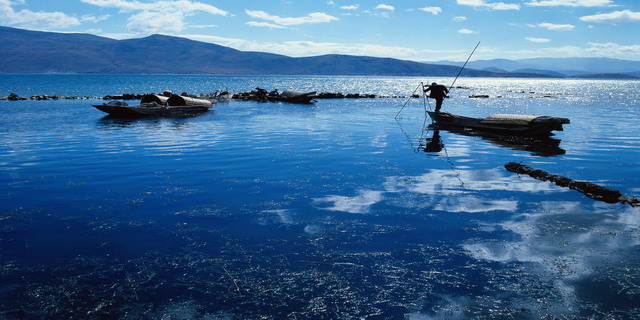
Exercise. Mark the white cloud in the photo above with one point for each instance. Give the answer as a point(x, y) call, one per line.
point(93, 19)
point(432, 10)
point(552, 52)
point(154, 21)
point(611, 49)
point(613, 17)
point(265, 25)
point(485, 4)
point(466, 31)
point(158, 16)
point(385, 7)
point(460, 18)
point(203, 26)
point(315, 17)
point(239, 44)
point(553, 27)
point(163, 5)
point(538, 40)
point(569, 3)
point(504, 6)
point(351, 7)
point(30, 19)
point(309, 48)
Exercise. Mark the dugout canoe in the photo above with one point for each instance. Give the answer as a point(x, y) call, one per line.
point(505, 123)
point(156, 105)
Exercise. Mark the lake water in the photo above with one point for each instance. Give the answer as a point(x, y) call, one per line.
point(335, 210)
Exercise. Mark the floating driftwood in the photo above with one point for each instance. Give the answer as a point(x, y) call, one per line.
point(589, 189)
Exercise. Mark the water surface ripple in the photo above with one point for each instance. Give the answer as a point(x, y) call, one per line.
point(327, 211)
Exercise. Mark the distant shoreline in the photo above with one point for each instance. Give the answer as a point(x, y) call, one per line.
point(89, 54)
point(613, 76)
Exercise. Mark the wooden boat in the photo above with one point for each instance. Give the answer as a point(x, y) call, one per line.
point(156, 105)
point(507, 123)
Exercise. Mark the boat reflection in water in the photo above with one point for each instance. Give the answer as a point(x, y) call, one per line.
point(542, 146)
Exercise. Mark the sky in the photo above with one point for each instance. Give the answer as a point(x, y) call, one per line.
point(418, 30)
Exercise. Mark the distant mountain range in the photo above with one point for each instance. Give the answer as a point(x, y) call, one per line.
point(560, 67)
point(25, 51)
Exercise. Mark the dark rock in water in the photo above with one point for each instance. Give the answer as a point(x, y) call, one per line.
point(14, 97)
point(126, 96)
point(340, 95)
point(249, 95)
point(358, 96)
point(330, 95)
point(589, 189)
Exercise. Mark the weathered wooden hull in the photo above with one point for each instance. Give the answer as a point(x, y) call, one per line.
point(156, 105)
point(143, 111)
point(539, 126)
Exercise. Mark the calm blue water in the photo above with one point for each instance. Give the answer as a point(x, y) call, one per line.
point(329, 211)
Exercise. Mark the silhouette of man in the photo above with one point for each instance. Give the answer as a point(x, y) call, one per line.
point(437, 92)
point(434, 144)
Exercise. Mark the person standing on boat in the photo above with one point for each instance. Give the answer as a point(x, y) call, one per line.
point(437, 92)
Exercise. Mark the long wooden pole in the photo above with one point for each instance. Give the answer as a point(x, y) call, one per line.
point(421, 84)
point(464, 65)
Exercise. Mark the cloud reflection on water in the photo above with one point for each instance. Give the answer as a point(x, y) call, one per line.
point(276, 216)
point(357, 204)
point(572, 247)
point(575, 247)
point(446, 190)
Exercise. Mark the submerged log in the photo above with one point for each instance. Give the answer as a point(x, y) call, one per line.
point(589, 189)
